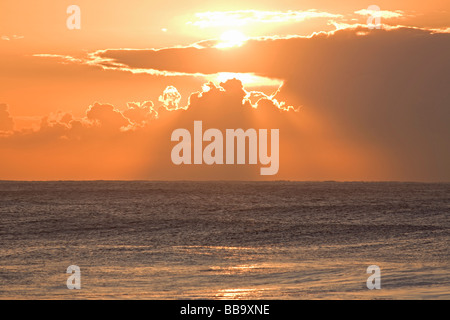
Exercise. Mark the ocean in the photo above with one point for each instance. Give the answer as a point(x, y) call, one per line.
point(224, 240)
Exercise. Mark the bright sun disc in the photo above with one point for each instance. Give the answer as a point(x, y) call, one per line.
point(231, 38)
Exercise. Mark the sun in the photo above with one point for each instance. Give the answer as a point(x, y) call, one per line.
point(231, 38)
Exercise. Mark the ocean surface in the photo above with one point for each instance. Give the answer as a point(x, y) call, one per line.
point(224, 240)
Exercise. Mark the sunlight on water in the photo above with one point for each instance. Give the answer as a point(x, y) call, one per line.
point(238, 294)
point(224, 240)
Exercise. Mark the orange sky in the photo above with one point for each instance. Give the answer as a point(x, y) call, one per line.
point(90, 103)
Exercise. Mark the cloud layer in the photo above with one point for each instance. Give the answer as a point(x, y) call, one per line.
point(374, 106)
point(244, 17)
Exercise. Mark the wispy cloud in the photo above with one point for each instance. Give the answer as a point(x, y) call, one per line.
point(10, 38)
point(385, 14)
point(64, 59)
point(245, 17)
point(100, 59)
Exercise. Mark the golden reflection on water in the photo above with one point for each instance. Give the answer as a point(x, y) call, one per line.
point(192, 248)
point(237, 294)
point(233, 269)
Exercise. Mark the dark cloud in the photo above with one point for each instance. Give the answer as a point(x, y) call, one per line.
point(106, 116)
point(140, 113)
point(275, 57)
point(139, 137)
point(387, 89)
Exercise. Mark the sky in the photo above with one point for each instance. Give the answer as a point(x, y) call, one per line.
point(351, 100)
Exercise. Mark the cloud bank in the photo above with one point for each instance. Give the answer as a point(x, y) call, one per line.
point(374, 106)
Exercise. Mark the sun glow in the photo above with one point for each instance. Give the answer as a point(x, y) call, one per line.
point(247, 79)
point(231, 38)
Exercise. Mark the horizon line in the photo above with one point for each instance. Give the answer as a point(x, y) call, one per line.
point(222, 180)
